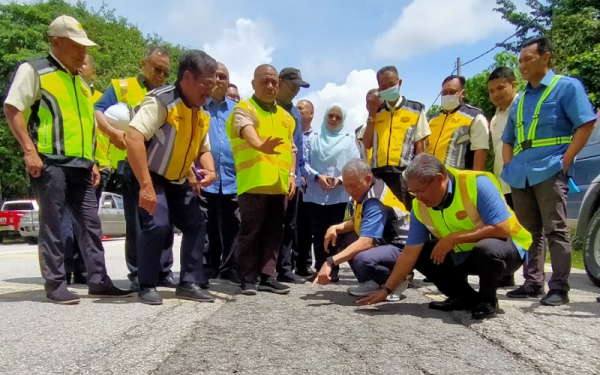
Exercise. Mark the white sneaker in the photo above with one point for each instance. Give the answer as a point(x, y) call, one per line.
point(364, 289)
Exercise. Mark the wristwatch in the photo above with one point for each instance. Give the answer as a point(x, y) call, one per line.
point(370, 119)
point(330, 261)
point(293, 175)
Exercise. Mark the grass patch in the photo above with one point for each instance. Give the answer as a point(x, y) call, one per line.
point(576, 253)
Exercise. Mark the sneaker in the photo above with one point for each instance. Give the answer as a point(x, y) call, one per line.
point(149, 296)
point(108, 292)
point(364, 289)
point(63, 297)
point(249, 289)
point(291, 277)
point(272, 285)
point(526, 291)
point(555, 297)
point(193, 292)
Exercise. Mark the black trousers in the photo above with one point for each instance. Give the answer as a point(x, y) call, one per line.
point(321, 218)
point(304, 236)
point(57, 188)
point(490, 259)
point(288, 251)
point(131, 197)
point(223, 213)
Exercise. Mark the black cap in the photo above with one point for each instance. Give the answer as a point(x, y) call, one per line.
point(293, 75)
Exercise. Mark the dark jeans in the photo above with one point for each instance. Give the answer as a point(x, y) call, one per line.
point(321, 218)
point(73, 258)
point(176, 204)
point(57, 188)
point(304, 236)
point(223, 225)
point(131, 197)
point(287, 250)
point(397, 185)
point(375, 264)
point(261, 232)
point(490, 259)
point(542, 210)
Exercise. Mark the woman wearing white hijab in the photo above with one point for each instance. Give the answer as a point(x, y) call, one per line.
point(328, 150)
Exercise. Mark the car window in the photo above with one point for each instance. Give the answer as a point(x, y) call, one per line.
point(18, 206)
point(109, 199)
point(119, 200)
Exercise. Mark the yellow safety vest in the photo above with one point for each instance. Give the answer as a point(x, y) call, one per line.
point(102, 140)
point(61, 123)
point(172, 150)
point(462, 215)
point(96, 95)
point(396, 228)
point(393, 138)
point(450, 138)
point(255, 169)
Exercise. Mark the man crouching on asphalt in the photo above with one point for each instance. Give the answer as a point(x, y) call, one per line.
point(467, 215)
point(372, 239)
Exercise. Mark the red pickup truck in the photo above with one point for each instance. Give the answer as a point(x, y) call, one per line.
point(10, 216)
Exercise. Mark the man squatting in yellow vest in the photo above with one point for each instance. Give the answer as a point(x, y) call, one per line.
point(50, 112)
point(475, 232)
point(112, 155)
point(265, 159)
point(168, 132)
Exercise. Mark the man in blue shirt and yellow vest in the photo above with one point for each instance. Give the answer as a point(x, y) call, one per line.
point(396, 131)
point(50, 112)
point(261, 134)
point(167, 134)
point(547, 127)
point(475, 233)
point(155, 71)
point(221, 197)
point(372, 239)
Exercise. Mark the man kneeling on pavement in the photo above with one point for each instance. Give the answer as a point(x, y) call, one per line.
point(372, 239)
point(469, 218)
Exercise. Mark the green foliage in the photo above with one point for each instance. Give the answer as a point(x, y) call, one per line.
point(434, 110)
point(23, 36)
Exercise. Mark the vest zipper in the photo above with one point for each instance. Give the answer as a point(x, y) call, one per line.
point(440, 136)
point(390, 137)
point(80, 122)
point(190, 145)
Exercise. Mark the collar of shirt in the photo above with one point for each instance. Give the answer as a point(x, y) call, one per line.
point(500, 112)
point(269, 107)
point(398, 104)
point(308, 132)
point(62, 65)
point(546, 81)
point(447, 201)
point(211, 102)
point(143, 82)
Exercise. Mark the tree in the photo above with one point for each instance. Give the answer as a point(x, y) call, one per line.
point(23, 36)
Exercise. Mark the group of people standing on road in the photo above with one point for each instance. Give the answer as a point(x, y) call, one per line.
point(259, 188)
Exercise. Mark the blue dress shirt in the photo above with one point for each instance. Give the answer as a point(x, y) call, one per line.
point(564, 110)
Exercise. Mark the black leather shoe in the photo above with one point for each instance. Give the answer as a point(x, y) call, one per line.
point(526, 291)
point(149, 296)
point(555, 297)
point(291, 277)
point(135, 285)
point(168, 282)
point(485, 310)
point(110, 291)
point(305, 272)
point(506, 281)
point(193, 292)
point(452, 304)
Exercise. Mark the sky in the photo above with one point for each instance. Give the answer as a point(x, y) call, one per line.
point(337, 44)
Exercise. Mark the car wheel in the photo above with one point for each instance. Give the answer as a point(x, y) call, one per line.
point(592, 249)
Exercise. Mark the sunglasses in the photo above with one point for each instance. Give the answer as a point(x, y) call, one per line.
point(334, 117)
point(294, 87)
point(159, 71)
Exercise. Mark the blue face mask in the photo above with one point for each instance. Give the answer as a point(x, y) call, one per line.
point(390, 95)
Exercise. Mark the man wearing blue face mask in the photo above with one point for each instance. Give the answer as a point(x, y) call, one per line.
point(396, 131)
point(460, 133)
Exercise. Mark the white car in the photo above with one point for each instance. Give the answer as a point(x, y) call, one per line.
point(111, 212)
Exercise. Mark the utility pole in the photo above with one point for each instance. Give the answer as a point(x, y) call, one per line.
point(458, 72)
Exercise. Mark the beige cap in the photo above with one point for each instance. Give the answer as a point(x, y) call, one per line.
point(69, 27)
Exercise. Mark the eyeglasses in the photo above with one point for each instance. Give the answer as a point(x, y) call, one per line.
point(159, 70)
point(294, 87)
point(222, 76)
point(415, 193)
point(334, 117)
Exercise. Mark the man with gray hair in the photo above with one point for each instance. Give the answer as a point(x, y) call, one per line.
point(167, 134)
point(372, 239)
point(466, 214)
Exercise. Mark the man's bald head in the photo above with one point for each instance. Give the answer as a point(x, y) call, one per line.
point(307, 111)
point(266, 83)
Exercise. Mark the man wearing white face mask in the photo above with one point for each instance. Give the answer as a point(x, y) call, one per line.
point(460, 133)
point(396, 131)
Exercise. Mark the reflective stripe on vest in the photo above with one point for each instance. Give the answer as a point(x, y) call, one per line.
point(450, 135)
point(254, 168)
point(463, 215)
point(393, 136)
point(62, 121)
point(102, 140)
point(396, 230)
point(531, 142)
point(172, 150)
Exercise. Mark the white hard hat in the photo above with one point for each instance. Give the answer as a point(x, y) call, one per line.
point(119, 116)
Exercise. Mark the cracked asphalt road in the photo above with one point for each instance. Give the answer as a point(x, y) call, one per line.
point(312, 330)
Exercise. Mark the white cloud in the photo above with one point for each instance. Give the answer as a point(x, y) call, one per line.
point(190, 20)
point(428, 25)
point(351, 94)
point(242, 49)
